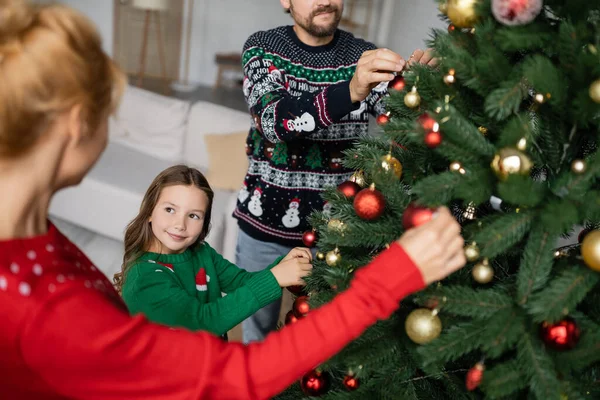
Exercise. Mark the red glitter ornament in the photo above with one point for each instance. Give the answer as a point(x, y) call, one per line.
point(562, 335)
point(369, 204)
point(415, 215)
point(301, 306)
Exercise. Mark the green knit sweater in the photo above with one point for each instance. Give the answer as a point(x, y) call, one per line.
point(184, 290)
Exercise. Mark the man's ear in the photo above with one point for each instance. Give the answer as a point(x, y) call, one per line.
point(285, 4)
point(74, 124)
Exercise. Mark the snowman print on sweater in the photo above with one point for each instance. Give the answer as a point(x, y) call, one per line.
point(243, 194)
point(291, 219)
point(303, 123)
point(255, 205)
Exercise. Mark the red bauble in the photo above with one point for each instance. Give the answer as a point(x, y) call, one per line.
point(474, 376)
point(290, 318)
point(451, 28)
point(297, 290)
point(383, 119)
point(433, 139)
point(427, 122)
point(351, 383)
point(397, 83)
point(415, 215)
point(562, 335)
point(349, 188)
point(369, 204)
point(516, 12)
point(301, 306)
point(314, 383)
point(309, 238)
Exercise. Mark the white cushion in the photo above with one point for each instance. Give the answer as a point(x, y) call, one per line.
point(151, 123)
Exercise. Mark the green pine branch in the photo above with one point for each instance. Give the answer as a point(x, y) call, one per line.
point(539, 367)
point(503, 380)
point(536, 263)
point(503, 233)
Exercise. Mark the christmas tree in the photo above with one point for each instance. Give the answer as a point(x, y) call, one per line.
point(505, 132)
point(280, 155)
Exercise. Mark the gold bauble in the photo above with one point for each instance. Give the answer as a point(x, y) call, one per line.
point(590, 250)
point(412, 99)
point(320, 256)
point(390, 163)
point(595, 91)
point(482, 272)
point(336, 225)
point(472, 252)
point(483, 130)
point(578, 166)
point(443, 7)
point(455, 166)
point(462, 13)
point(509, 161)
point(359, 178)
point(423, 325)
point(332, 258)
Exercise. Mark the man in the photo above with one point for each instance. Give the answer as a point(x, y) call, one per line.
point(309, 88)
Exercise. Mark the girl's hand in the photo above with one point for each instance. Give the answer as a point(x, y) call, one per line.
point(290, 271)
point(298, 252)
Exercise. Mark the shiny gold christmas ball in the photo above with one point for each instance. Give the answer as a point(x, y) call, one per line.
point(390, 163)
point(483, 272)
point(359, 178)
point(483, 130)
point(332, 258)
point(443, 7)
point(595, 91)
point(412, 99)
point(578, 166)
point(472, 252)
point(462, 13)
point(320, 256)
point(509, 161)
point(423, 325)
point(336, 225)
point(590, 250)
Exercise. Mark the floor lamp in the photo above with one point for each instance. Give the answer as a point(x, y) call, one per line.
point(152, 8)
point(183, 85)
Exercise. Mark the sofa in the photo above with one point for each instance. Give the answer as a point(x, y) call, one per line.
point(149, 133)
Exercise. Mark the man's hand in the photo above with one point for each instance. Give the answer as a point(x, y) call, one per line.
point(423, 57)
point(374, 67)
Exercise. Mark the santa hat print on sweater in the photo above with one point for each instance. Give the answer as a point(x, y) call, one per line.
point(202, 280)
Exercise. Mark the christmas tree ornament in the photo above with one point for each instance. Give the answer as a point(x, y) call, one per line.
point(455, 166)
point(562, 335)
point(383, 119)
point(309, 238)
point(349, 189)
point(391, 164)
point(415, 215)
point(398, 83)
point(359, 178)
point(522, 144)
point(474, 376)
point(333, 257)
point(483, 130)
point(449, 78)
point(516, 12)
point(590, 250)
point(290, 318)
point(297, 290)
point(451, 28)
point(336, 225)
point(433, 139)
point(443, 7)
point(472, 252)
point(578, 166)
point(539, 98)
point(412, 99)
point(469, 212)
point(320, 256)
point(462, 13)
point(351, 382)
point(369, 203)
point(314, 383)
point(428, 123)
point(594, 91)
point(482, 272)
point(423, 325)
point(301, 306)
point(509, 161)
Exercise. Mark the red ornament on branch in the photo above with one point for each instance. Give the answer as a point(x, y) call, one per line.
point(309, 238)
point(562, 335)
point(398, 83)
point(451, 28)
point(314, 383)
point(516, 12)
point(474, 376)
point(427, 122)
point(369, 204)
point(415, 215)
point(301, 306)
point(383, 119)
point(349, 188)
point(290, 318)
point(433, 139)
point(351, 383)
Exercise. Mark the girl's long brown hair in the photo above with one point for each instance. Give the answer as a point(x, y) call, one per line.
point(138, 236)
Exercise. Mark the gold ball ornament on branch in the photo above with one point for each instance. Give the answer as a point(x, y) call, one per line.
point(333, 257)
point(578, 166)
point(336, 225)
point(594, 91)
point(443, 7)
point(359, 178)
point(320, 256)
point(483, 272)
point(423, 325)
point(590, 250)
point(472, 252)
point(412, 99)
point(462, 13)
point(509, 161)
point(391, 164)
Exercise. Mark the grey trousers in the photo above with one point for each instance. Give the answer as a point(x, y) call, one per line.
point(254, 255)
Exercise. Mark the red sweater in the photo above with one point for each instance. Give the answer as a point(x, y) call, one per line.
point(66, 334)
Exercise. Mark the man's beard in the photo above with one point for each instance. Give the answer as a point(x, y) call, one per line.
point(317, 30)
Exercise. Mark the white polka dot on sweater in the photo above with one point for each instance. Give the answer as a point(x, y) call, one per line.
point(31, 255)
point(52, 288)
point(77, 264)
point(37, 269)
point(3, 283)
point(92, 268)
point(87, 284)
point(49, 248)
point(60, 278)
point(14, 268)
point(24, 289)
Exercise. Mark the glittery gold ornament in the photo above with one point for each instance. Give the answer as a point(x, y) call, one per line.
point(595, 91)
point(590, 250)
point(462, 13)
point(423, 325)
point(472, 252)
point(320, 256)
point(449, 78)
point(522, 144)
point(509, 161)
point(483, 130)
point(443, 7)
point(390, 163)
point(359, 178)
point(332, 257)
point(578, 166)
point(412, 99)
point(483, 272)
point(336, 225)
point(539, 98)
